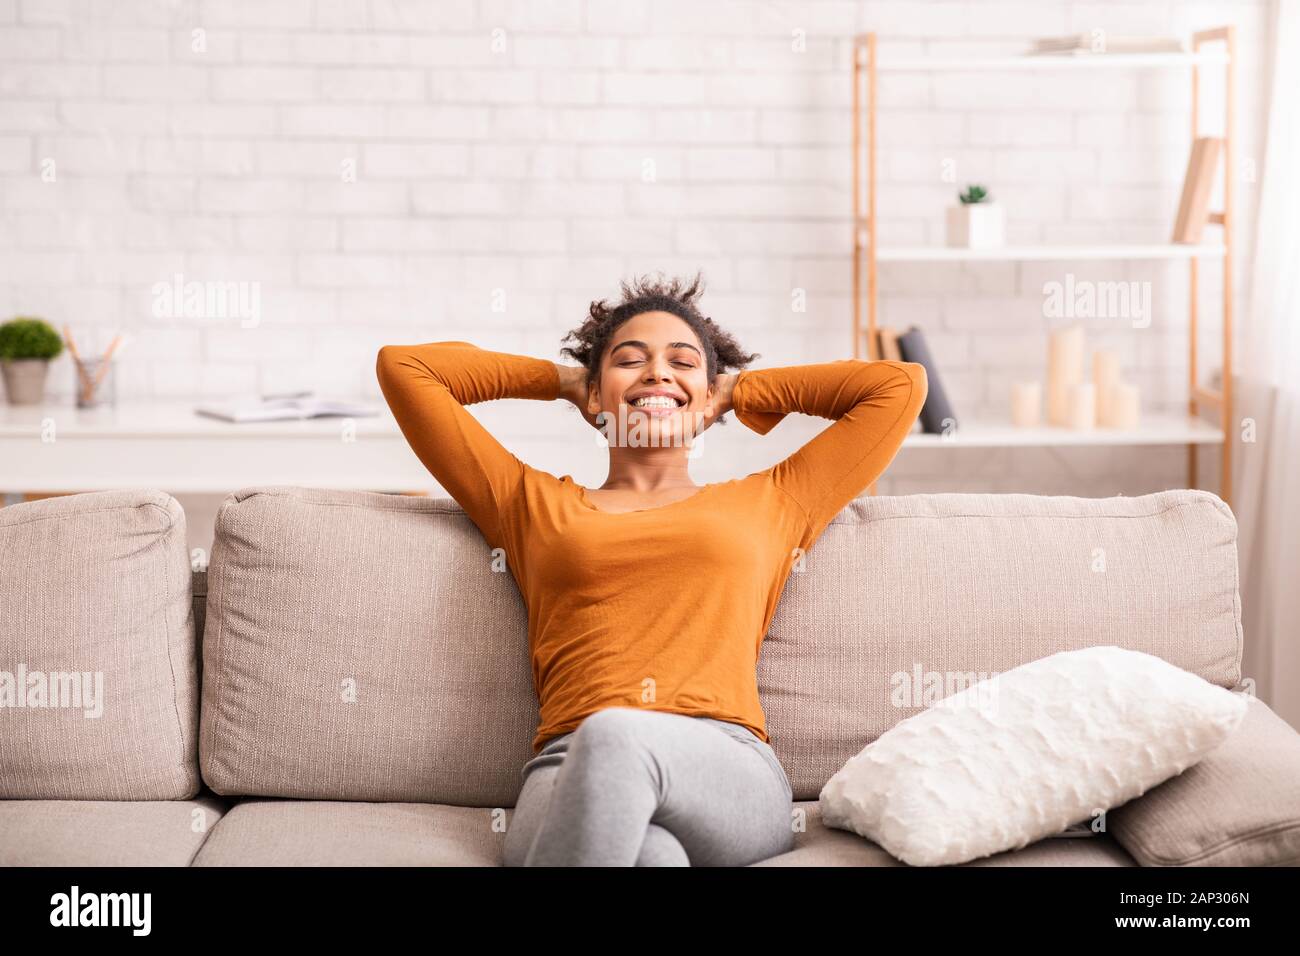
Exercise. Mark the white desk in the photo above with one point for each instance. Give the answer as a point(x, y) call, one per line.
point(167, 445)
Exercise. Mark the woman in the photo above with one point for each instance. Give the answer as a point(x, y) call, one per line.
point(648, 598)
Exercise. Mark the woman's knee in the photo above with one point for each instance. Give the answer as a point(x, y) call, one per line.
point(618, 726)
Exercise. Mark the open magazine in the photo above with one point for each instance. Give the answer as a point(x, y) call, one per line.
point(268, 408)
point(1084, 43)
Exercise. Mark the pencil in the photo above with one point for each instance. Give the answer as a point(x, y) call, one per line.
point(103, 363)
point(76, 361)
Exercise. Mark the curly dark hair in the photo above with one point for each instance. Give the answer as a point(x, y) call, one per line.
point(721, 350)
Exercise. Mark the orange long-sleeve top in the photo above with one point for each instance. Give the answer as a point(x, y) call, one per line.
point(663, 608)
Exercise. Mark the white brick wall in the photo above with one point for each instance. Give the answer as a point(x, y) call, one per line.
point(504, 144)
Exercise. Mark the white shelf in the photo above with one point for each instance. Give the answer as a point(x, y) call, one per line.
point(1153, 429)
point(165, 444)
point(1048, 252)
point(1083, 61)
point(176, 418)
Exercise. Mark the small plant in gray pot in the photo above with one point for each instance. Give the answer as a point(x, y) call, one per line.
point(26, 346)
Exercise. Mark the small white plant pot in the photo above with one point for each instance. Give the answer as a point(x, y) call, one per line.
point(978, 225)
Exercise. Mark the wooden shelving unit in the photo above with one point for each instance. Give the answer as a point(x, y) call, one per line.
point(1191, 430)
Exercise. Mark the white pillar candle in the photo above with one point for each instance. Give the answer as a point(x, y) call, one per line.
point(1105, 373)
point(1064, 371)
point(1083, 406)
point(1026, 403)
point(1123, 406)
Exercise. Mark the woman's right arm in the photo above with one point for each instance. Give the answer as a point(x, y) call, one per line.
point(428, 386)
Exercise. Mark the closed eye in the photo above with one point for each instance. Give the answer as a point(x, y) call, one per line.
point(680, 362)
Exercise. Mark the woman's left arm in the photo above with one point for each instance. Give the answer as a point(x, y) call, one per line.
point(873, 404)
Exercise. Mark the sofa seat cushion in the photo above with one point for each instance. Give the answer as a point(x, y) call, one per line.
point(105, 832)
point(820, 845)
point(277, 832)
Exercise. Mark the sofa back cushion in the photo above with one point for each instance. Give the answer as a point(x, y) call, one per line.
point(98, 682)
point(362, 646)
point(910, 598)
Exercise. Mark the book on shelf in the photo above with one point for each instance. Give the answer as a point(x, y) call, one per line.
point(1103, 43)
point(1194, 205)
point(883, 345)
point(889, 350)
point(937, 409)
point(268, 408)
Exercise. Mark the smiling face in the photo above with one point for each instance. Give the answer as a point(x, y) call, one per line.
point(654, 376)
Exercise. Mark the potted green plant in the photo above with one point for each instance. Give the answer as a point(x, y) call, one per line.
point(977, 222)
point(26, 346)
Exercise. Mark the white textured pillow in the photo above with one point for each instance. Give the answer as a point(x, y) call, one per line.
point(1023, 755)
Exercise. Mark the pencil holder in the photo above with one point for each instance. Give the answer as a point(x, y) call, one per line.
point(96, 384)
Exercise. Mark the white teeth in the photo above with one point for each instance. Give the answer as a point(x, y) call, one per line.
point(655, 401)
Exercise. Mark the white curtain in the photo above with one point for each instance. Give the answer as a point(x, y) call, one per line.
point(1266, 471)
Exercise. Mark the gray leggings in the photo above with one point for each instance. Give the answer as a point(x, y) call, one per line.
point(635, 787)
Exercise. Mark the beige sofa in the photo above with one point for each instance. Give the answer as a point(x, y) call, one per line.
point(349, 681)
